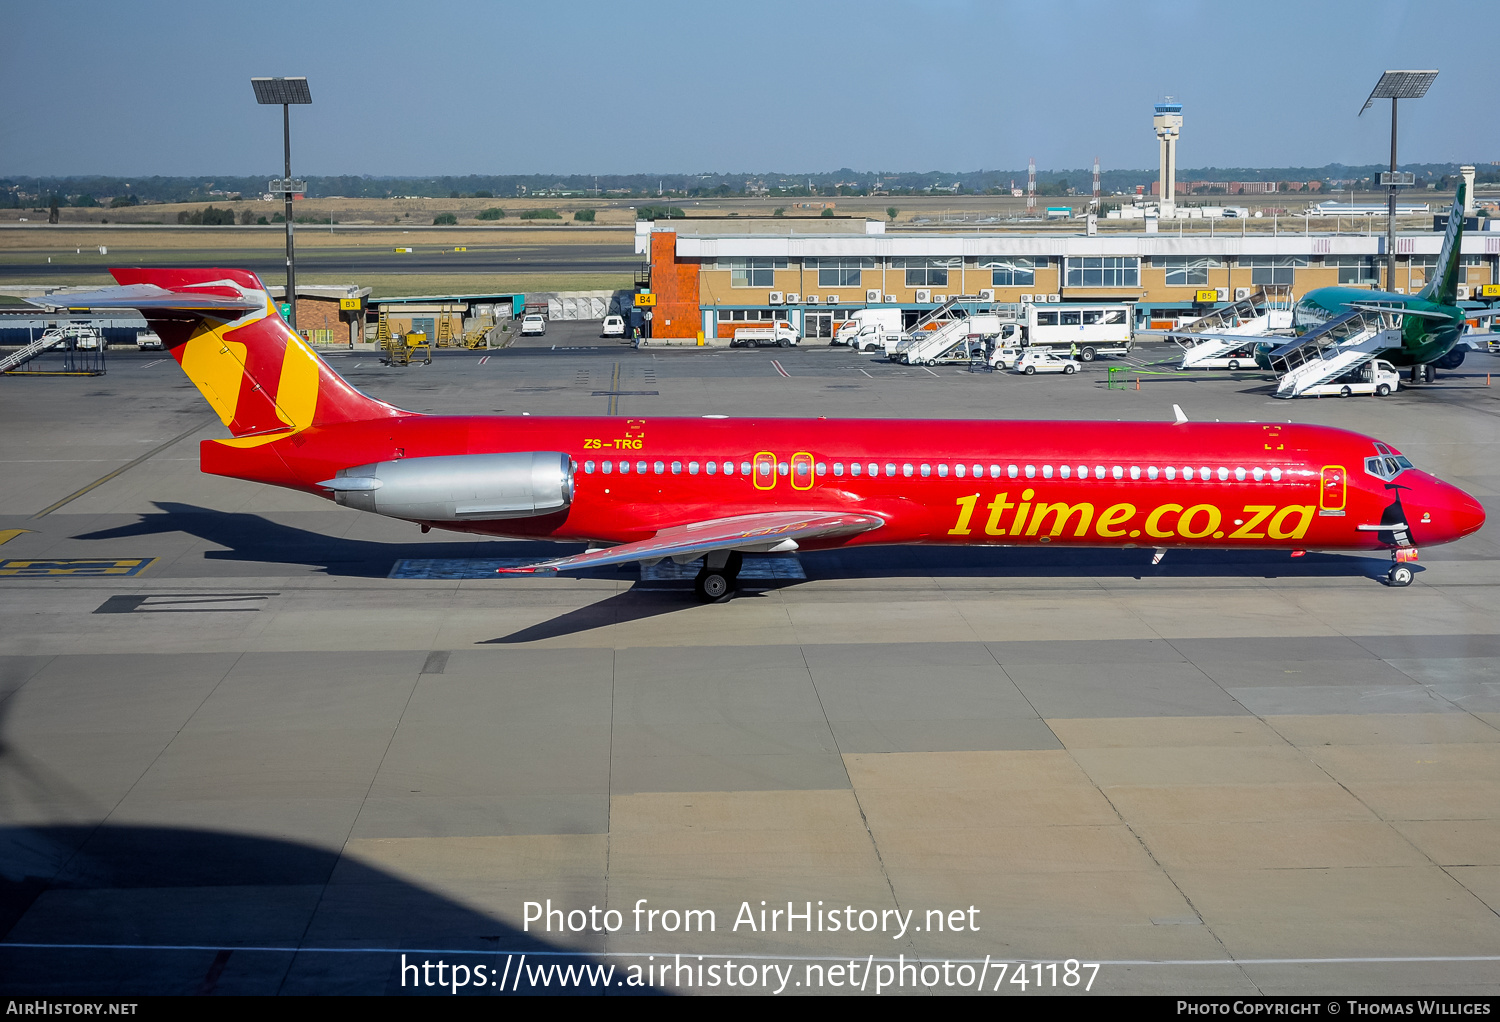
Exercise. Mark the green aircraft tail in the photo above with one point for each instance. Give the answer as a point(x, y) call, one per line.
point(1443, 286)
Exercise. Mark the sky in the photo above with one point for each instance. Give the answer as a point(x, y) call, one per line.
point(161, 87)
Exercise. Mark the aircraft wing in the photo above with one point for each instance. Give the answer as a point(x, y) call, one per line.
point(149, 296)
point(743, 532)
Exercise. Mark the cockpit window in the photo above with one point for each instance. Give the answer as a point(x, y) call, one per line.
point(1387, 464)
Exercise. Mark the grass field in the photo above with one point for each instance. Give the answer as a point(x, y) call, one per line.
point(50, 241)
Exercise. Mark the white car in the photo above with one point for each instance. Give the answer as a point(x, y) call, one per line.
point(1033, 362)
point(1005, 358)
point(533, 324)
point(614, 326)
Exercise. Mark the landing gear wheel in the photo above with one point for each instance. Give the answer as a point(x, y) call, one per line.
point(1399, 576)
point(711, 586)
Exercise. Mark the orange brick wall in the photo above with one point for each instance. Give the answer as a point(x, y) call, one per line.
point(675, 285)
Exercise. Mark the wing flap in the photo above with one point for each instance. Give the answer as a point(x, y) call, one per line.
point(743, 532)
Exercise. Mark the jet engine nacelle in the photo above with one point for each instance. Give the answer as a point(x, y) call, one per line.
point(459, 488)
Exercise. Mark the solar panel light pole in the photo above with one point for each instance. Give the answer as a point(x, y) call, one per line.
point(284, 92)
point(1396, 86)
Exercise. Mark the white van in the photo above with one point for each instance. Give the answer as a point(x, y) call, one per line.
point(1378, 377)
point(867, 324)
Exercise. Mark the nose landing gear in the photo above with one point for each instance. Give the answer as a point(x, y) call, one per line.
point(1401, 574)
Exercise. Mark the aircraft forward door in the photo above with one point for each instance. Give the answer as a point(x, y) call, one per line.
point(1333, 491)
point(765, 471)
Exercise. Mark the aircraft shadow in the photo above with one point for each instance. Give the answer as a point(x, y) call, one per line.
point(251, 537)
point(635, 604)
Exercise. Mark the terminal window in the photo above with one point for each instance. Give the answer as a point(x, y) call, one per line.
point(840, 272)
point(1187, 271)
point(1104, 271)
point(926, 272)
point(1018, 271)
point(753, 272)
point(1272, 270)
point(1355, 269)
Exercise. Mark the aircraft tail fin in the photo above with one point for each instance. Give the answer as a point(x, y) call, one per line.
point(222, 327)
point(1443, 285)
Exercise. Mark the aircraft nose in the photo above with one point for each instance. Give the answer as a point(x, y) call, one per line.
point(1445, 513)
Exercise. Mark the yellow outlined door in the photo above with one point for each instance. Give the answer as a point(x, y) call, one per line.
point(802, 471)
point(1333, 491)
point(765, 471)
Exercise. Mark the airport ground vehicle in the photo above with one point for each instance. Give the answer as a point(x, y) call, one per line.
point(532, 325)
point(681, 488)
point(876, 338)
point(948, 340)
point(1242, 357)
point(1094, 330)
point(865, 324)
point(1006, 357)
point(1034, 361)
point(613, 326)
point(148, 340)
point(779, 334)
point(1378, 377)
point(80, 337)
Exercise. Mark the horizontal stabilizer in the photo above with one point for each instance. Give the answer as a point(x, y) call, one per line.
point(149, 296)
point(743, 532)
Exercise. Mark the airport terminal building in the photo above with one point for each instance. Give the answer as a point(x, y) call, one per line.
point(711, 276)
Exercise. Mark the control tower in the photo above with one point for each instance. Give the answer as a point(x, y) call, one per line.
point(1168, 123)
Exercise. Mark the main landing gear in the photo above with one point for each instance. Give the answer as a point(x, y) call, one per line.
point(714, 582)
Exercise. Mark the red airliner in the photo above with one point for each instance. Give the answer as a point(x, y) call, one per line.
point(645, 489)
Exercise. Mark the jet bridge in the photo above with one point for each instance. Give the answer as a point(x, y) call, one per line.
point(1338, 346)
